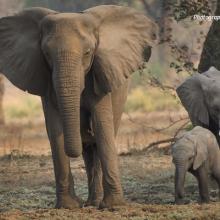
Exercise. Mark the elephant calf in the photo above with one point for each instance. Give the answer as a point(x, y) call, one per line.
point(197, 152)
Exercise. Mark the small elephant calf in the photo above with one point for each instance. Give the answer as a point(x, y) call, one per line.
point(197, 152)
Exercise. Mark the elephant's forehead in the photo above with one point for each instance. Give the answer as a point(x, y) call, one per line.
point(67, 19)
point(186, 143)
point(63, 16)
point(215, 87)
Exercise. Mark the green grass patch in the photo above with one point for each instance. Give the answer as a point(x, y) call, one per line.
point(29, 107)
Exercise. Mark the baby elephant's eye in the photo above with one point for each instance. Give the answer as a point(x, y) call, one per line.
point(191, 157)
point(88, 51)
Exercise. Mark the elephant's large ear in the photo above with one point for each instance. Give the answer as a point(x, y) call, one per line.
point(21, 59)
point(125, 40)
point(192, 97)
point(200, 154)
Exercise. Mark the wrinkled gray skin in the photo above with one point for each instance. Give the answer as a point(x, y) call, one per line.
point(200, 95)
point(197, 152)
point(79, 63)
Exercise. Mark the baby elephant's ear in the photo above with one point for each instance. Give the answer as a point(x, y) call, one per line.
point(201, 154)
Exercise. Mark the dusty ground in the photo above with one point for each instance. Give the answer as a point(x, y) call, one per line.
point(27, 189)
point(28, 192)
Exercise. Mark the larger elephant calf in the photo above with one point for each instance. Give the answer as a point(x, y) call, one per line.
point(79, 63)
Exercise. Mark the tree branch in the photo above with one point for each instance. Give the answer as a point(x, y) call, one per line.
point(147, 7)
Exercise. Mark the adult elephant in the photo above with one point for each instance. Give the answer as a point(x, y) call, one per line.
point(79, 63)
point(200, 95)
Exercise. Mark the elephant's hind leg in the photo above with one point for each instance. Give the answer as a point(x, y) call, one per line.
point(65, 193)
point(94, 175)
point(202, 178)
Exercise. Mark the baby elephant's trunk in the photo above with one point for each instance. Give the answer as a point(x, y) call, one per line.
point(180, 174)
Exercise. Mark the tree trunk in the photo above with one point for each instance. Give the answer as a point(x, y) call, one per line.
point(2, 89)
point(211, 50)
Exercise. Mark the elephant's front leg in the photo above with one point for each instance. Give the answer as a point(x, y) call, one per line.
point(202, 178)
point(102, 119)
point(65, 193)
point(94, 175)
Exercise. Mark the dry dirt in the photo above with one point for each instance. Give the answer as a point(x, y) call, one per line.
point(27, 189)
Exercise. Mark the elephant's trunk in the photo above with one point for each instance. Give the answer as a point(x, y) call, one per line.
point(66, 79)
point(180, 174)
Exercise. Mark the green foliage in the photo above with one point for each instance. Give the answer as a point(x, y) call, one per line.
point(185, 8)
point(189, 127)
point(154, 69)
point(157, 70)
point(29, 107)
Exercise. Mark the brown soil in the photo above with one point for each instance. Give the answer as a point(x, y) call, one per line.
point(27, 189)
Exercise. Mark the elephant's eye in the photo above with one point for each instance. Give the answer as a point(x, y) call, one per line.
point(88, 52)
point(191, 157)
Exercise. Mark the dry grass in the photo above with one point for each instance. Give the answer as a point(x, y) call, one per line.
point(20, 107)
point(149, 100)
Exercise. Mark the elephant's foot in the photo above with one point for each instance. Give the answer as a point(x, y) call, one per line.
point(111, 201)
point(93, 202)
point(68, 202)
point(94, 199)
point(205, 200)
point(181, 201)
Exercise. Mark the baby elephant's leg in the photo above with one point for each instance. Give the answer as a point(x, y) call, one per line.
point(216, 176)
point(202, 177)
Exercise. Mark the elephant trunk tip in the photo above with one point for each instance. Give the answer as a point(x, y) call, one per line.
point(73, 148)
